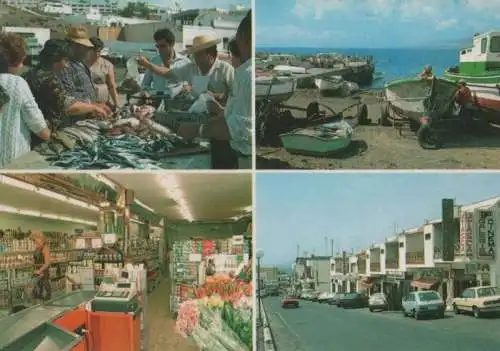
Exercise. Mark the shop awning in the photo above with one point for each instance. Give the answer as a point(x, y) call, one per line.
point(425, 283)
point(366, 282)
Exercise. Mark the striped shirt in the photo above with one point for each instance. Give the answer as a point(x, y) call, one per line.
point(18, 119)
point(77, 81)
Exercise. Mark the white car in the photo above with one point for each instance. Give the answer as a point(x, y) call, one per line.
point(325, 297)
point(479, 301)
point(377, 302)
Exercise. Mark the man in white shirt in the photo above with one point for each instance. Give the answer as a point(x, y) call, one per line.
point(234, 122)
point(204, 73)
point(165, 42)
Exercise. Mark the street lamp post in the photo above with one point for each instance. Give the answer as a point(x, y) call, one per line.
point(260, 254)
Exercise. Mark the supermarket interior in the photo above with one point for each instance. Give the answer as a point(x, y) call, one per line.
point(125, 261)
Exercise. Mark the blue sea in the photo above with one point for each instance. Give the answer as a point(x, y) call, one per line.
point(393, 63)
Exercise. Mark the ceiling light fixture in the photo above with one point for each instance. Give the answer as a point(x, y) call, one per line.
point(31, 213)
point(142, 204)
point(136, 221)
point(105, 180)
point(44, 192)
point(172, 186)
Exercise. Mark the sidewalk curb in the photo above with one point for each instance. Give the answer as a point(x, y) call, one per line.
point(268, 336)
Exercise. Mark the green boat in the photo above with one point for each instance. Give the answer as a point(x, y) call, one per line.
point(323, 140)
point(480, 68)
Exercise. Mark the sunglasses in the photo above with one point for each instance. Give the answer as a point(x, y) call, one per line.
point(161, 46)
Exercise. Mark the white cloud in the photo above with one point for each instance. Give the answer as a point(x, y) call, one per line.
point(447, 23)
point(293, 35)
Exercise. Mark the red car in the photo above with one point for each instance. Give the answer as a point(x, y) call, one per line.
point(290, 301)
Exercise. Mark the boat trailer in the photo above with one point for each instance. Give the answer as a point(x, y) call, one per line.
point(274, 119)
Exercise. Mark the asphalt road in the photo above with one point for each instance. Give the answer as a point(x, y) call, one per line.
point(318, 327)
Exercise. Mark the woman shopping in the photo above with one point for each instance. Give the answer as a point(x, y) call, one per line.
point(42, 290)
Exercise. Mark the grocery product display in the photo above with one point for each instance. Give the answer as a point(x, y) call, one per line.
point(111, 257)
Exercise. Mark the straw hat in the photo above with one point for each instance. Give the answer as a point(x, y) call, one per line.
point(462, 81)
point(80, 36)
point(202, 42)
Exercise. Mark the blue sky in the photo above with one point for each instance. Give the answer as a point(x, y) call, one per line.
point(371, 23)
point(354, 209)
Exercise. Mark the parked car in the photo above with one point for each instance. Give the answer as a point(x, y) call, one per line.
point(336, 299)
point(353, 300)
point(290, 302)
point(377, 302)
point(306, 295)
point(418, 304)
point(479, 301)
point(314, 296)
point(325, 297)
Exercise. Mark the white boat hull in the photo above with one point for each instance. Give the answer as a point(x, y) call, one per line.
point(328, 85)
point(290, 69)
point(276, 89)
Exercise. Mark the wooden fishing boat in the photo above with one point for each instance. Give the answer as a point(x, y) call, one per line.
point(323, 140)
point(413, 98)
point(275, 89)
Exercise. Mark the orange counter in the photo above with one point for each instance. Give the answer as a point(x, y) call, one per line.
point(106, 331)
point(112, 331)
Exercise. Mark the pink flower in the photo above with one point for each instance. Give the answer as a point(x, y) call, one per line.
point(188, 317)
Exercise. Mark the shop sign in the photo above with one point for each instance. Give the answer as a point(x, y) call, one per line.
point(431, 273)
point(486, 240)
point(477, 268)
point(465, 241)
point(394, 274)
point(238, 239)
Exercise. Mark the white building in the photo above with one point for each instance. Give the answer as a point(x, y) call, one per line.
point(55, 8)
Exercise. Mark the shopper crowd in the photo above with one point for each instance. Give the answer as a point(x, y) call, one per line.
point(71, 82)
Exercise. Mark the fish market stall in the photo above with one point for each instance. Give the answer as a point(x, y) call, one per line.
point(138, 136)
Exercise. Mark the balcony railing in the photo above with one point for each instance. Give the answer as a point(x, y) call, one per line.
point(375, 267)
point(417, 257)
point(392, 264)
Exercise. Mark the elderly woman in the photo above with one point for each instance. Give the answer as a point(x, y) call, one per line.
point(42, 290)
point(20, 115)
point(103, 74)
point(55, 102)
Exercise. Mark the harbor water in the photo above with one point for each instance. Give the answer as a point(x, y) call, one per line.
point(393, 63)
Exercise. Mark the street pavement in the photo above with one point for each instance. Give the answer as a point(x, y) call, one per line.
point(320, 327)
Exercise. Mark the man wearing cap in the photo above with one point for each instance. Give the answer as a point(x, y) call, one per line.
point(206, 73)
point(76, 77)
point(233, 123)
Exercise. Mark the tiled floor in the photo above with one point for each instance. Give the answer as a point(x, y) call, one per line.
point(162, 334)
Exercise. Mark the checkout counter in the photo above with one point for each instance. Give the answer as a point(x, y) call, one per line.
point(77, 321)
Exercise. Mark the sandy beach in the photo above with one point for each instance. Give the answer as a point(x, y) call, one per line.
point(377, 147)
